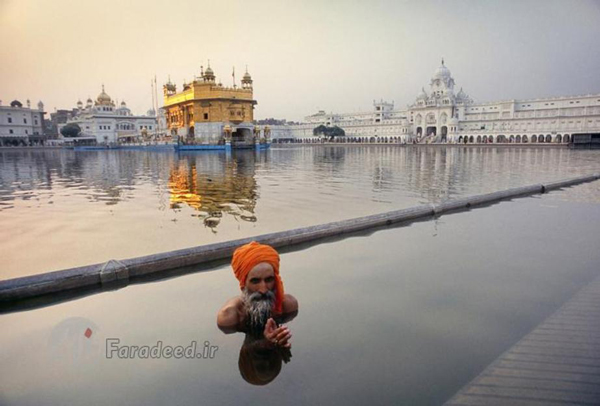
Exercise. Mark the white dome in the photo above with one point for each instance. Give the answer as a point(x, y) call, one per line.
point(422, 94)
point(442, 72)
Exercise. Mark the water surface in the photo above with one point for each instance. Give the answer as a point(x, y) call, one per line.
point(399, 316)
point(61, 209)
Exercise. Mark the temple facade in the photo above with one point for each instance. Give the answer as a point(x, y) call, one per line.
point(443, 115)
point(21, 125)
point(205, 112)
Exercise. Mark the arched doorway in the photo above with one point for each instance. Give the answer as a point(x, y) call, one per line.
point(518, 139)
point(559, 138)
point(471, 139)
point(525, 139)
point(479, 139)
point(548, 138)
point(534, 138)
point(511, 139)
point(567, 138)
point(444, 133)
point(460, 139)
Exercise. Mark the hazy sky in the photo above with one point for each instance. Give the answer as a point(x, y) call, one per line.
point(303, 55)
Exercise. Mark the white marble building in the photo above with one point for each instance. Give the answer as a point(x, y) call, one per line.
point(106, 123)
point(443, 115)
point(20, 125)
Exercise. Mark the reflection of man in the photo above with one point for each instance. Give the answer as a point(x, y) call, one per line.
point(260, 361)
point(263, 302)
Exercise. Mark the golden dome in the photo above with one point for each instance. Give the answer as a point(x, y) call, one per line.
point(103, 98)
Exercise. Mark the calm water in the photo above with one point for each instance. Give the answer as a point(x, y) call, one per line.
point(61, 209)
point(398, 316)
point(401, 316)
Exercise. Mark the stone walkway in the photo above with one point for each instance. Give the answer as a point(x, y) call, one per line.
point(558, 363)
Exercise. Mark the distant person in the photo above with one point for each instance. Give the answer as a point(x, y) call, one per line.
point(263, 304)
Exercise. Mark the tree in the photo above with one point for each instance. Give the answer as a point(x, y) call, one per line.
point(329, 132)
point(70, 130)
point(319, 130)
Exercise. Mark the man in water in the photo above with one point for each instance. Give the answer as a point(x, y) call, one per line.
point(263, 303)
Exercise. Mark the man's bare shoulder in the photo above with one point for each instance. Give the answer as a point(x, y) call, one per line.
point(290, 304)
point(229, 315)
point(234, 302)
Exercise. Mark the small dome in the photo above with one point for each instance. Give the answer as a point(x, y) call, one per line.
point(79, 103)
point(209, 75)
point(247, 76)
point(123, 104)
point(16, 103)
point(422, 95)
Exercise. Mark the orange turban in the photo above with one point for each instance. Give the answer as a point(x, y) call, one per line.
point(248, 256)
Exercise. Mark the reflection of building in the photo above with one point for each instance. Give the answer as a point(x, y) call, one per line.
point(215, 184)
point(206, 112)
point(105, 123)
point(21, 125)
point(442, 115)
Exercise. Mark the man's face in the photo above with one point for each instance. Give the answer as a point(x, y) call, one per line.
point(261, 279)
point(259, 295)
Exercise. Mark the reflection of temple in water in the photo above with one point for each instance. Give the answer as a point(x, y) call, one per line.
point(216, 183)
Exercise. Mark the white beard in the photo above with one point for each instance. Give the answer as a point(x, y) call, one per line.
point(258, 309)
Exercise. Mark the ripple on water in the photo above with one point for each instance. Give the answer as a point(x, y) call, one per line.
point(246, 193)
